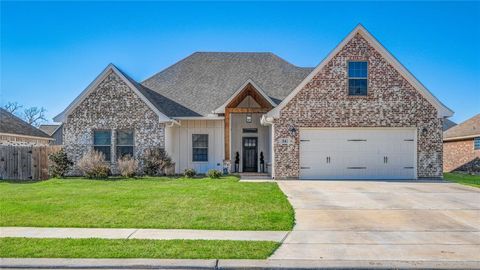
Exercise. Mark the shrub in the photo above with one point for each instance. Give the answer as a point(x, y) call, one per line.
point(155, 161)
point(214, 174)
point(127, 166)
point(59, 164)
point(93, 165)
point(189, 173)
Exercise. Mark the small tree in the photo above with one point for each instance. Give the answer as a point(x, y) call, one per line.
point(93, 165)
point(127, 166)
point(59, 164)
point(34, 115)
point(12, 107)
point(156, 161)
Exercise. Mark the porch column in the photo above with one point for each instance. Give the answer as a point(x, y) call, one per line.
point(226, 133)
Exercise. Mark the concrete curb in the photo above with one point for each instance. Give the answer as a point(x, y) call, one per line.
point(47, 263)
point(340, 264)
point(44, 263)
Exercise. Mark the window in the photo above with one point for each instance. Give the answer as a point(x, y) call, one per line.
point(476, 143)
point(102, 142)
point(199, 147)
point(124, 143)
point(357, 78)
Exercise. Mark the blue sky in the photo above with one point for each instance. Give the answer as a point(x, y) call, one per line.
point(51, 51)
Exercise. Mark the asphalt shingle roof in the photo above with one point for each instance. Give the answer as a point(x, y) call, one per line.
point(448, 124)
point(202, 82)
point(11, 124)
point(49, 129)
point(470, 127)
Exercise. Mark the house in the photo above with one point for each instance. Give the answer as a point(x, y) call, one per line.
point(55, 131)
point(461, 146)
point(359, 114)
point(15, 131)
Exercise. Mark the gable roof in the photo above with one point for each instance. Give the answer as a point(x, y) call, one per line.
point(467, 129)
point(49, 128)
point(11, 124)
point(257, 88)
point(131, 84)
point(442, 110)
point(448, 124)
point(203, 81)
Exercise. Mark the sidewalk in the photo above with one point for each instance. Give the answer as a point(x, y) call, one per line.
point(154, 234)
point(7, 263)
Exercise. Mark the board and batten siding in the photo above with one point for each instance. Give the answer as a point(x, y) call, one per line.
point(179, 144)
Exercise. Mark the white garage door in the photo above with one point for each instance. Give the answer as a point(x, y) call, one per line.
point(358, 153)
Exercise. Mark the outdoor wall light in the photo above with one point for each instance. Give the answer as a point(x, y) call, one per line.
point(249, 118)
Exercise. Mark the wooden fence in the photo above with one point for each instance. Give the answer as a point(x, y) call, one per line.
point(25, 162)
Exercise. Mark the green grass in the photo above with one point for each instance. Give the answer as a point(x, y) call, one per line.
point(134, 248)
point(465, 179)
point(223, 204)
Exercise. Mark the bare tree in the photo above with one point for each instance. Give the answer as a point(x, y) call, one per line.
point(12, 107)
point(34, 115)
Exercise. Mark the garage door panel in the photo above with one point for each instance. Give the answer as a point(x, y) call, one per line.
point(357, 153)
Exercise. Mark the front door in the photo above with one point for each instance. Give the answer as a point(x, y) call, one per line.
point(250, 148)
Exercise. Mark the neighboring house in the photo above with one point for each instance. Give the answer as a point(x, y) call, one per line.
point(15, 131)
point(448, 124)
point(461, 146)
point(55, 131)
point(358, 114)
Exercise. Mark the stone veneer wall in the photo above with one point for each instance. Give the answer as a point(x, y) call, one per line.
point(391, 102)
point(112, 105)
point(460, 155)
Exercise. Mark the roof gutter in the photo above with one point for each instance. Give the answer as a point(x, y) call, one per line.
point(461, 138)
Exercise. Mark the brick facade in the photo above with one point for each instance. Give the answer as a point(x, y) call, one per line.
point(112, 105)
point(391, 102)
point(460, 156)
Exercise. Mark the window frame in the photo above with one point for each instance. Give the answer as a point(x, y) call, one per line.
point(103, 145)
point(117, 156)
point(476, 143)
point(357, 78)
point(197, 147)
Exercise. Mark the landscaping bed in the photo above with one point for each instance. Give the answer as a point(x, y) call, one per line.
point(156, 202)
point(463, 178)
point(134, 248)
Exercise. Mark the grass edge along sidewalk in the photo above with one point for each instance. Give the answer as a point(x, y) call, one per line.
point(134, 248)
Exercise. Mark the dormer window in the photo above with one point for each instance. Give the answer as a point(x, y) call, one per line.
point(357, 78)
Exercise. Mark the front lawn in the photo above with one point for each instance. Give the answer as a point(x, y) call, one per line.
point(465, 179)
point(134, 248)
point(224, 204)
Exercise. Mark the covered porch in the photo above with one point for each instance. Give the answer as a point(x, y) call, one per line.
point(247, 142)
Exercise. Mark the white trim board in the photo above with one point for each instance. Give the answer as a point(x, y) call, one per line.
point(443, 111)
point(84, 94)
point(221, 109)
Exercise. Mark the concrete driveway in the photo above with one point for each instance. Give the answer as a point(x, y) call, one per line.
point(375, 220)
